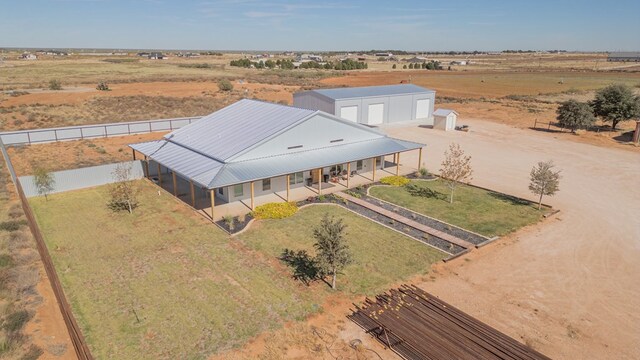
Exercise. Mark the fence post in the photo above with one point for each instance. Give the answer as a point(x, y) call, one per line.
point(535, 124)
point(55, 133)
point(81, 134)
point(29, 137)
point(549, 126)
point(129, 129)
point(150, 126)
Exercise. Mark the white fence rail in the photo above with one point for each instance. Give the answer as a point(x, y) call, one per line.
point(67, 180)
point(27, 137)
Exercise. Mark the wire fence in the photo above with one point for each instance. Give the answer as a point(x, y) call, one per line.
point(75, 333)
point(28, 137)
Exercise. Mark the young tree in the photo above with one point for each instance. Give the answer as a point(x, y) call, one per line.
point(55, 85)
point(544, 180)
point(456, 168)
point(616, 103)
point(394, 66)
point(124, 192)
point(575, 115)
point(44, 181)
point(333, 253)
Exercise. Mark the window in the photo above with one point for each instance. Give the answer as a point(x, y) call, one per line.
point(296, 178)
point(220, 191)
point(359, 165)
point(238, 190)
point(266, 184)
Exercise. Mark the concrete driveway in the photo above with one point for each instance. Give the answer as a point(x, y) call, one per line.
point(569, 287)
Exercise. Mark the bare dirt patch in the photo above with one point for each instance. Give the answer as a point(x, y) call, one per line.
point(75, 154)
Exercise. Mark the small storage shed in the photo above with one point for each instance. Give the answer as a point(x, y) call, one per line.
point(372, 105)
point(445, 119)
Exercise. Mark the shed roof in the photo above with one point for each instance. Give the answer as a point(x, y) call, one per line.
point(371, 91)
point(444, 112)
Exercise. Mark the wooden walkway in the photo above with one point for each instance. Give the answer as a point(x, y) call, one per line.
point(401, 219)
point(417, 326)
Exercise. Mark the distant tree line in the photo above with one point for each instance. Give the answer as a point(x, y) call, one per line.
point(286, 64)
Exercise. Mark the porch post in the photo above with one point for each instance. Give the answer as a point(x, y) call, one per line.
point(252, 199)
point(193, 194)
point(134, 154)
point(348, 173)
point(419, 158)
point(146, 166)
point(159, 174)
point(175, 184)
point(288, 186)
point(398, 165)
point(320, 181)
point(375, 161)
point(213, 201)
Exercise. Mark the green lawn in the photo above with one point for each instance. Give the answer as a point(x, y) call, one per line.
point(381, 256)
point(481, 211)
point(195, 290)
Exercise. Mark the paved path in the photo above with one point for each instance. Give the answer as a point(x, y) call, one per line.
point(408, 222)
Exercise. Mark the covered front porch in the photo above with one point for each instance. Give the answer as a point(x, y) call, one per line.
point(240, 199)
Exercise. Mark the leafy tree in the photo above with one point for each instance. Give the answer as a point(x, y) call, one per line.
point(55, 84)
point(225, 85)
point(124, 192)
point(616, 103)
point(544, 180)
point(411, 66)
point(404, 66)
point(44, 181)
point(270, 64)
point(456, 168)
point(394, 66)
point(333, 253)
point(574, 115)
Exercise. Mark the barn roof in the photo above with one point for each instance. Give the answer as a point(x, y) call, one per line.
point(371, 91)
point(204, 151)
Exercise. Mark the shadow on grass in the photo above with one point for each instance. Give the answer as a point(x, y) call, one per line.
point(304, 266)
point(511, 199)
point(416, 190)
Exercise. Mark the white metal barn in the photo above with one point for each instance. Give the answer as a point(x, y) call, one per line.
point(445, 119)
point(372, 105)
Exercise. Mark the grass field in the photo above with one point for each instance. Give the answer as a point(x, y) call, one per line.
point(381, 256)
point(484, 212)
point(164, 283)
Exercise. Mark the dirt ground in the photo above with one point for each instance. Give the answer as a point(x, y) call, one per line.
point(75, 154)
point(569, 286)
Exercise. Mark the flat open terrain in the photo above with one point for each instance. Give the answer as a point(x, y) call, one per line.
point(484, 212)
point(163, 282)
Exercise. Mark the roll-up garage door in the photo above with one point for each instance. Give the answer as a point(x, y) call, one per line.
point(376, 114)
point(349, 113)
point(422, 108)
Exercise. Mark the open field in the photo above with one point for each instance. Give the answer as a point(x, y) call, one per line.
point(163, 282)
point(381, 256)
point(481, 211)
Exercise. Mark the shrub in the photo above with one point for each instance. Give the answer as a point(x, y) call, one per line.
point(12, 225)
point(102, 86)
point(395, 180)
point(423, 172)
point(55, 85)
point(275, 210)
point(16, 320)
point(225, 85)
point(229, 221)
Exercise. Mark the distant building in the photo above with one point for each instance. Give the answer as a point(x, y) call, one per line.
point(459, 62)
point(624, 56)
point(384, 54)
point(157, 56)
point(28, 56)
point(416, 59)
point(310, 57)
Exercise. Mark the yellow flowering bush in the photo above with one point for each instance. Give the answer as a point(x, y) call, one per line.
point(395, 180)
point(275, 210)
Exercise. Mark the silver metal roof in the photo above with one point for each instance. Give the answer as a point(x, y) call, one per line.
point(196, 152)
point(444, 112)
point(236, 127)
point(371, 91)
point(628, 54)
point(250, 170)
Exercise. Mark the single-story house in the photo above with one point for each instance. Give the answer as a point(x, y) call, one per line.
point(372, 105)
point(253, 148)
point(28, 56)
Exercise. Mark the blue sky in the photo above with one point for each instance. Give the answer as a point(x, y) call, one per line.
point(322, 24)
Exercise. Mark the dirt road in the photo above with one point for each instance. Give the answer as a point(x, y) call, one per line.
point(571, 287)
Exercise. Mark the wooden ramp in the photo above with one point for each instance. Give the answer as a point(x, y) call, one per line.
point(417, 325)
